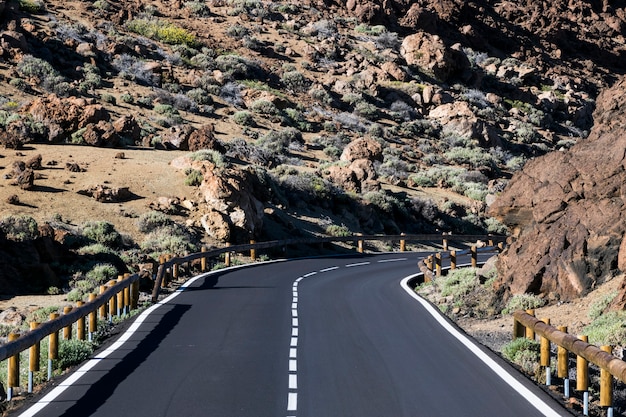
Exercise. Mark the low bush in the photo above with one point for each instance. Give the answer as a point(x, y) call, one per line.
point(338, 231)
point(244, 118)
point(19, 228)
point(599, 306)
point(162, 30)
point(608, 329)
point(210, 155)
point(193, 177)
point(523, 302)
point(523, 352)
point(459, 282)
point(73, 352)
point(102, 232)
point(153, 220)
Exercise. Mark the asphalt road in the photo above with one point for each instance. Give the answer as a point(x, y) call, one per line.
point(329, 337)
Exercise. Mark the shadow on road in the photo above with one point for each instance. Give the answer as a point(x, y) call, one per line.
point(100, 391)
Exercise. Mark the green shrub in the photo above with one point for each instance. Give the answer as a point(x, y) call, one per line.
point(161, 30)
point(101, 274)
point(169, 239)
point(523, 302)
point(244, 118)
point(19, 228)
point(95, 249)
point(608, 329)
point(198, 8)
point(73, 352)
point(41, 315)
point(338, 231)
point(295, 81)
point(153, 220)
point(32, 6)
point(194, 177)
point(108, 98)
point(597, 308)
point(210, 155)
point(366, 29)
point(459, 282)
point(496, 227)
point(127, 98)
point(102, 232)
point(523, 352)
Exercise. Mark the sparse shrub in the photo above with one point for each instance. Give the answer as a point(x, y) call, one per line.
point(102, 273)
point(597, 308)
point(46, 76)
point(199, 96)
point(297, 119)
point(161, 30)
point(237, 31)
point(474, 157)
point(366, 110)
point(496, 227)
point(102, 232)
point(19, 83)
point(198, 8)
point(134, 69)
point(243, 118)
point(264, 107)
point(523, 302)
point(366, 29)
point(523, 352)
point(172, 238)
point(127, 98)
point(280, 141)
point(459, 282)
point(237, 67)
point(32, 6)
point(153, 220)
point(208, 155)
point(194, 177)
point(321, 95)
point(19, 228)
point(108, 98)
point(295, 81)
point(338, 231)
point(73, 352)
point(608, 329)
point(387, 40)
point(401, 111)
point(91, 80)
point(95, 249)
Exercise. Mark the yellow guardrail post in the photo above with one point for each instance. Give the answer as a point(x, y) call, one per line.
point(474, 253)
point(203, 260)
point(445, 245)
point(252, 251)
point(582, 377)
point(80, 324)
point(53, 347)
point(562, 364)
point(93, 319)
point(438, 264)
point(13, 369)
point(120, 298)
point(103, 308)
point(530, 333)
point(452, 259)
point(545, 354)
point(67, 330)
point(402, 243)
point(112, 302)
point(360, 245)
point(606, 382)
point(33, 358)
point(127, 296)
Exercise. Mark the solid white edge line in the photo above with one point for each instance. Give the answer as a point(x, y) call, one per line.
point(530, 396)
point(77, 374)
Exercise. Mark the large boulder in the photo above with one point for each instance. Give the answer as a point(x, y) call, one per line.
point(567, 210)
point(362, 149)
point(430, 53)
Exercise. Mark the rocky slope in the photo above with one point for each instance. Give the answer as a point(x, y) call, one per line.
point(568, 208)
point(363, 116)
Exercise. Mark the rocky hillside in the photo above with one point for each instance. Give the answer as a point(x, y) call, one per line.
point(298, 118)
point(567, 208)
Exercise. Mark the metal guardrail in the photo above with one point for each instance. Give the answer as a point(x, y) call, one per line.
point(124, 293)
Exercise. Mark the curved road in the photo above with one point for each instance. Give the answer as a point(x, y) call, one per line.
point(328, 337)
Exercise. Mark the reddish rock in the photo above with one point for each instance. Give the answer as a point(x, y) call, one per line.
point(430, 53)
point(566, 209)
point(362, 149)
point(204, 138)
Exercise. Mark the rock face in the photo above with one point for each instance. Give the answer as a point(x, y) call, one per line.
point(567, 210)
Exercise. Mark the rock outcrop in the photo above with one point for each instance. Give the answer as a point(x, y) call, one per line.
point(567, 210)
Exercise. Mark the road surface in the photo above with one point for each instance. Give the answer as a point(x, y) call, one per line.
point(326, 337)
